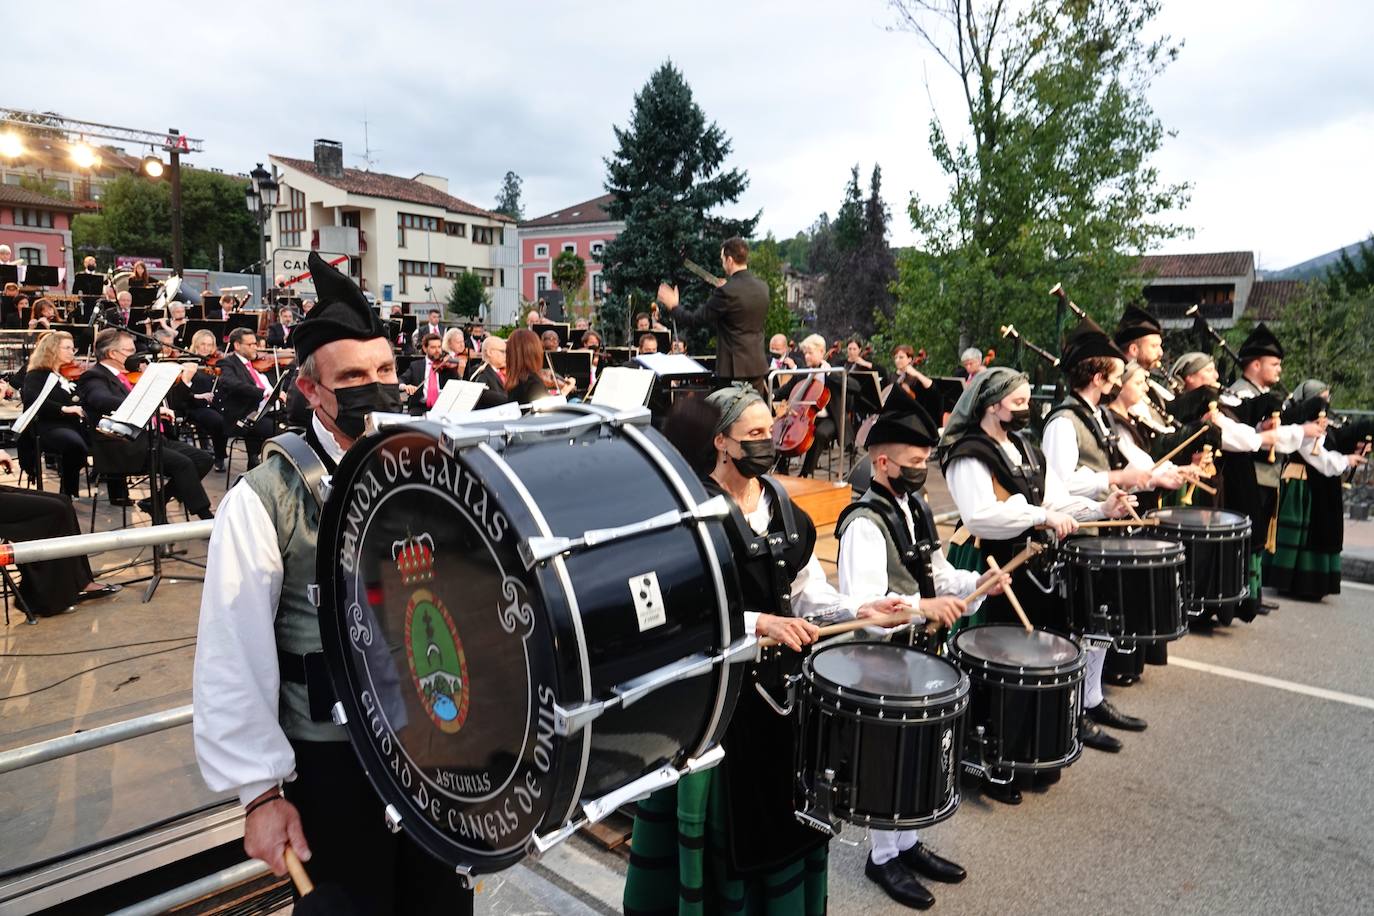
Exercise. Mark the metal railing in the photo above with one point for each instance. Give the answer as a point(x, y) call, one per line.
point(195, 890)
point(78, 545)
point(66, 745)
point(843, 415)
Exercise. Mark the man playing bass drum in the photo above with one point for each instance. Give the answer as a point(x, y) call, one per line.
point(728, 837)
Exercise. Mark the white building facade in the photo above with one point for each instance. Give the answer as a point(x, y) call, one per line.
point(406, 239)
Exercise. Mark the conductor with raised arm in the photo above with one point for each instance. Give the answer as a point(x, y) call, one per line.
point(735, 313)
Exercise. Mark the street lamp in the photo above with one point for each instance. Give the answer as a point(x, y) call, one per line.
point(11, 145)
point(261, 199)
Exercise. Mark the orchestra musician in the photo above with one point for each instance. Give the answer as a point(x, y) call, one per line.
point(826, 430)
point(524, 362)
point(433, 325)
point(971, 362)
point(648, 343)
point(101, 390)
point(9, 306)
point(174, 320)
point(57, 428)
point(279, 334)
point(455, 347)
point(119, 315)
point(139, 277)
point(735, 313)
point(195, 396)
point(904, 361)
point(44, 314)
point(243, 389)
point(854, 357)
point(491, 372)
point(549, 341)
point(424, 378)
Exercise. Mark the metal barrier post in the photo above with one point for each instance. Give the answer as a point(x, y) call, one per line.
point(31, 754)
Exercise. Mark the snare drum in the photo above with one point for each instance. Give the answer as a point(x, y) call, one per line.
point(1216, 544)
point(1025, 697)
point(881, 725)
point(528, 623)
point(1127, 588)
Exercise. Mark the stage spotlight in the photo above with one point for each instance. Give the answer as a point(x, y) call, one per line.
point(83, 155)
point(11, 146)
point(153, 167)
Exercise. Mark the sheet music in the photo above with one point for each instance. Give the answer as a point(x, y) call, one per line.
point(622, 388)
point(456, 396)
point(671, 364)
point(148, 394)
point(27, 416)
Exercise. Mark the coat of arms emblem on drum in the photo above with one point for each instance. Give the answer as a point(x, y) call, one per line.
point(438, 667)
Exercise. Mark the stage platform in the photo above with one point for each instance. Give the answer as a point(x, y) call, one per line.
point(823, 500)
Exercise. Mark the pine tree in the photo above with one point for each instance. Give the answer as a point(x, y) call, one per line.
point(1348, 278)
point(859, 268)
point(667, 178)
point(508, 200)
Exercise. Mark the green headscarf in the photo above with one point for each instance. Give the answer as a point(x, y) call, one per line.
point(988, 387)
point(732, 401)
point(1308, 389)
point(1189, 363)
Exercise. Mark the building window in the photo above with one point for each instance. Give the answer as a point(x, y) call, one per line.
point(457, 230)
point(541, 251)
point(484, 235)
point(541, 284)
point(33, 256)
point(422, 269)
point(39, 219)
point(596, 249)
point(486, 274)
point(14, 179)
point(353, 218)
point(598, 286)
point(455, 272)
point(570, 246)
point(291, 221)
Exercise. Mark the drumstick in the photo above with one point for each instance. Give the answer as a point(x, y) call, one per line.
point(1316, 443)
point(1129, 508)
point(1272, 453)
point(834, 629)
point(1030, 550)
point(1120, 523)
point(1160, 463)
point(298, 874)
point(1011, 596)
point(1203, 486)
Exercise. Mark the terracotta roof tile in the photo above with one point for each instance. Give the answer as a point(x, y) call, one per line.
point(589, 211)
point(1212, 264)
point(1269, 297)
point(392, 187)
point(23, 197)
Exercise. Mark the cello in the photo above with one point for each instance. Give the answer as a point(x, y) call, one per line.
point(795, 430)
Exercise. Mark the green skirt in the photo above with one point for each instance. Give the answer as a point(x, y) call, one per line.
point(679, 864)
point(967, 556)
point(1304, 563)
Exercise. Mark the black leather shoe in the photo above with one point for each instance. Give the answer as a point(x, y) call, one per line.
point(121, 502)
point(219, 465)
point(901, 885)
point(1105, 713)
point(1006, 794)
point(1266, 606)
point(1092, 735)
point(145, 506)
point(1119, 680)
point(103, 591)
point(921, 860)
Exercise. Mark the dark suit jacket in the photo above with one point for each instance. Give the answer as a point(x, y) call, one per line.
point(277, 336)
point(496, 390)
point(530, 389)
point(735, 313)
point(237, 391)
point(100, 393)
point(415, 375)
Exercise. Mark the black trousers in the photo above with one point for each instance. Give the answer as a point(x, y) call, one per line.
point(254, 435)
point(209, 424)
point(824, 437)
point(50, 586)
point(183, 465)
point(64, 441)
point(351, 848)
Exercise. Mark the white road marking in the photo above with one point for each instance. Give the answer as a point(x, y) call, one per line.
point(1291, 686)
point(1361, 586)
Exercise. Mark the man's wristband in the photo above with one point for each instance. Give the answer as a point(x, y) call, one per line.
point(257, 803)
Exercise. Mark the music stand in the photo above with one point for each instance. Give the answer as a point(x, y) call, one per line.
point(44, 275)
point(9, 273)
point(575, 364)
point(664, 338)
point(139, 413)
point(456, 397)
point(89, 287)
point(620, 356)
point(142, 296)
point(575, 338)
point(83, 337)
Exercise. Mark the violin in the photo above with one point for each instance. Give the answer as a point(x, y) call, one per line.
point(991, 355)
point(73, 370)
point(274, 359)
point(795, 430)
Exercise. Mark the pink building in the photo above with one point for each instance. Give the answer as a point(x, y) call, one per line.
point(583, 228)
point(37, 228)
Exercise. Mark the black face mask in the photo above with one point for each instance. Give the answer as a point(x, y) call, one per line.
point(910, 480)
point(356, 402)
point(1020, 419)
point(1109, 395)
point(757, 457)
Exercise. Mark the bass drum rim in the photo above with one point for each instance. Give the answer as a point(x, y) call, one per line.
point(857, 703)
point(1027, 678)
point(1171, 518)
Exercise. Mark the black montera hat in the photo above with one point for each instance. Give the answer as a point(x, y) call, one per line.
point(902, 421)
point(1136, 323)
point(1261, 342)
point(342, 311)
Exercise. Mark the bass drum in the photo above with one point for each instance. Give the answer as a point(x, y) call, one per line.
point(1127, 588)
point(528, 623)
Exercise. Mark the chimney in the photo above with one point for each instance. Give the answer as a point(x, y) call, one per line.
point(329, 158)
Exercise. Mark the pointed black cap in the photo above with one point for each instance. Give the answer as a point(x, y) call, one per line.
point(1136, 323)
point(1261, 342)
point(342, 311)
point(903, 422)
point(1086, 341)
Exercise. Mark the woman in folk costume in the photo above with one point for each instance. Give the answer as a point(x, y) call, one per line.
point(1006, 495)
point(1307, 560)
point(727, 839)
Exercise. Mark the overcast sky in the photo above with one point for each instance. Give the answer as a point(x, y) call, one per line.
point(1273, 102)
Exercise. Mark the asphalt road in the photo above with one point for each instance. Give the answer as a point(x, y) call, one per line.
point(1241, 798)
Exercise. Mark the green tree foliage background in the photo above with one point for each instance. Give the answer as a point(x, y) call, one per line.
point(668, 182)
point(766, 263)
point(468, 298)
point(1049, 164)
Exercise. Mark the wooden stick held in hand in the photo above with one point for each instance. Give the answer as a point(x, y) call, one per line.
point(298, 874)
point(1273, 453)
point(1160, 463)
point(1120, 523)
point(1011, 596)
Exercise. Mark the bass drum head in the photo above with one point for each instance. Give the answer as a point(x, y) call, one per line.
point(441, 649)
point(1199, 519)
point(896, 675)
point(1005, 646)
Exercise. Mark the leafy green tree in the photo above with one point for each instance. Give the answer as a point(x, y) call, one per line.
point(765, 262)
point(508, 199)
point(668, 180)
point(1054, 182)
point(858, 263)
point(45, 186)
point(1325, 335)
point(569, 273)
point(469, 297)
point(1346, 276)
